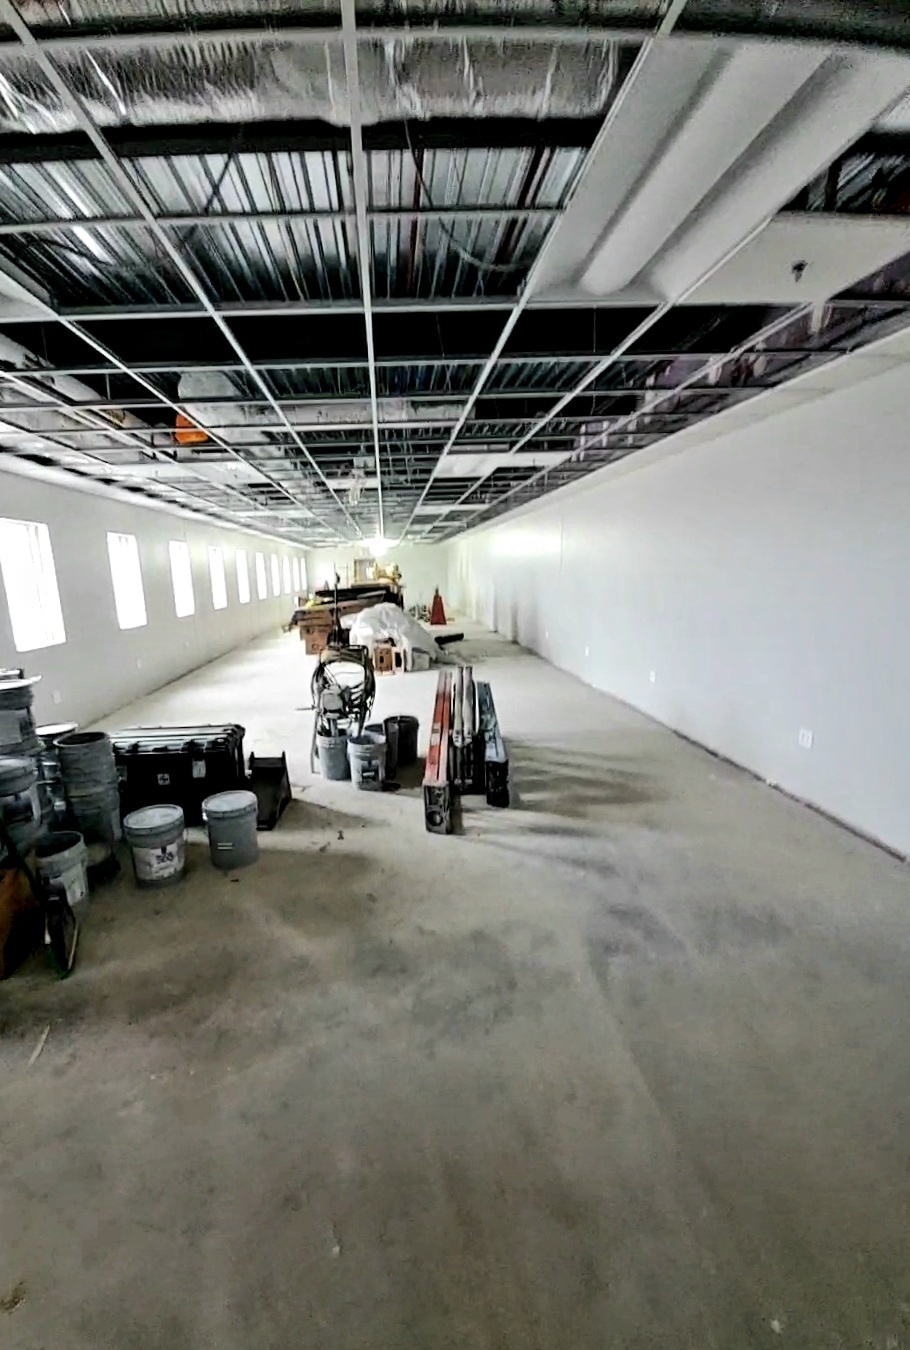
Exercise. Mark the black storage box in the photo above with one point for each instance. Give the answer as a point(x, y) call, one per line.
point(183, 765)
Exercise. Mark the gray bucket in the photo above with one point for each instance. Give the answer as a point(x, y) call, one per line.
point(332, 752)
point(20, 804)
point(156, 837)
point(16, 776)
point(366, 755)
point(231, 821)
point(61, 861)
point(17, 726)
point(96, 811)
point(86, 762)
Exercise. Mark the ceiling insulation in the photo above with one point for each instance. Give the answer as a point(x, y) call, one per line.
point(241, 82)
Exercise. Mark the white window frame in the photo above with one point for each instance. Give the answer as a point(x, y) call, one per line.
point(218, 578)
point(262, 584)
point(30, 582)
point(285, 574)
point(182, 578)
point(276, 574)
point(126, 578)
point(242, 566)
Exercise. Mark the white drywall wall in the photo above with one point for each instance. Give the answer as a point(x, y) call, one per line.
point(100, 667)
point(760, 578)
point(423, 567)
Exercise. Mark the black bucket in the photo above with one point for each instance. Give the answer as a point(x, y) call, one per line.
point(389, 729)
point(408, 728)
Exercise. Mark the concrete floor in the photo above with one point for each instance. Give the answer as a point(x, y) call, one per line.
point(626, 1067)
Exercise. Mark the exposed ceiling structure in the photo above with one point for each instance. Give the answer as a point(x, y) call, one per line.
point(340, 270)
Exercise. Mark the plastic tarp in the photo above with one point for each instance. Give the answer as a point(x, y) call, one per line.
point(388, 623)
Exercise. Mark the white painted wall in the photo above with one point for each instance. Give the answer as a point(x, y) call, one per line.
point(100, 667)
point(423, 568)
point(762, 576)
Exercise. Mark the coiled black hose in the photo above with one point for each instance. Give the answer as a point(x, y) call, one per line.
point(356, 689)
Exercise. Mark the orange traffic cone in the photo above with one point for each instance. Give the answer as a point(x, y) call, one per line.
point(437, 609)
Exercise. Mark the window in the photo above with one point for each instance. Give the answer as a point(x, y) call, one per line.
point(30, 582)
point(243, 576)
point(262, 586)
point(276, 575)
point(219, 584)
point(295, 564)
point(126, 574)
point(286, 574)
point(182, 578)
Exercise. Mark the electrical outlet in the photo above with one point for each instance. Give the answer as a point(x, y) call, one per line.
point(805, 738)
point(57, 696)
point(587, 651)
point(546, 633)
point(653, 677)
point(138, 662)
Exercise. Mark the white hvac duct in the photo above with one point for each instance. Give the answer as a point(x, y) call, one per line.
point(710, 143)
point(743, 91)
point(849, 92)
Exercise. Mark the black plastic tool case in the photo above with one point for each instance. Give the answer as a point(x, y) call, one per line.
point(183, 765)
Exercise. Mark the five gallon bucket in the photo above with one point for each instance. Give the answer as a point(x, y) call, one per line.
point(366, 755)
point(91, 785)
point(332, 752)
point(231, 821)
point(389, 729)
point(156, 838)
point(407, 738)
point(62, 864)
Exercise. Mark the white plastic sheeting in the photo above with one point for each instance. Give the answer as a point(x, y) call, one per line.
point(388, 623)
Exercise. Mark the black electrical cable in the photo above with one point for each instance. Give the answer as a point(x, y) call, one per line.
point(465, 253)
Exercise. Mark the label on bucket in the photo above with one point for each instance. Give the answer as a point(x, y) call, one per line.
point(159, 863)
point(75, 884)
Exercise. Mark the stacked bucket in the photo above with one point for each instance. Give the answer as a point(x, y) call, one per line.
point(92, 792)
point(25, 811)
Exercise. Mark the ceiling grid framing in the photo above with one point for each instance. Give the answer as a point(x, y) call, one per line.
point(10, 15)
point(366, 290)
point(362, 234)
point(669, 16)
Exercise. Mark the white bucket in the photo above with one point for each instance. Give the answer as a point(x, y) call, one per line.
point(156, 836)
point(62, 863)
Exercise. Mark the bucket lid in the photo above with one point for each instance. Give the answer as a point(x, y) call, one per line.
point(236, 803)
point(55, 729)
point(151, 819)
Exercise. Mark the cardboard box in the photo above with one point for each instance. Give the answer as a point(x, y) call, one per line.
point(315, 639)
point(383, 658)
